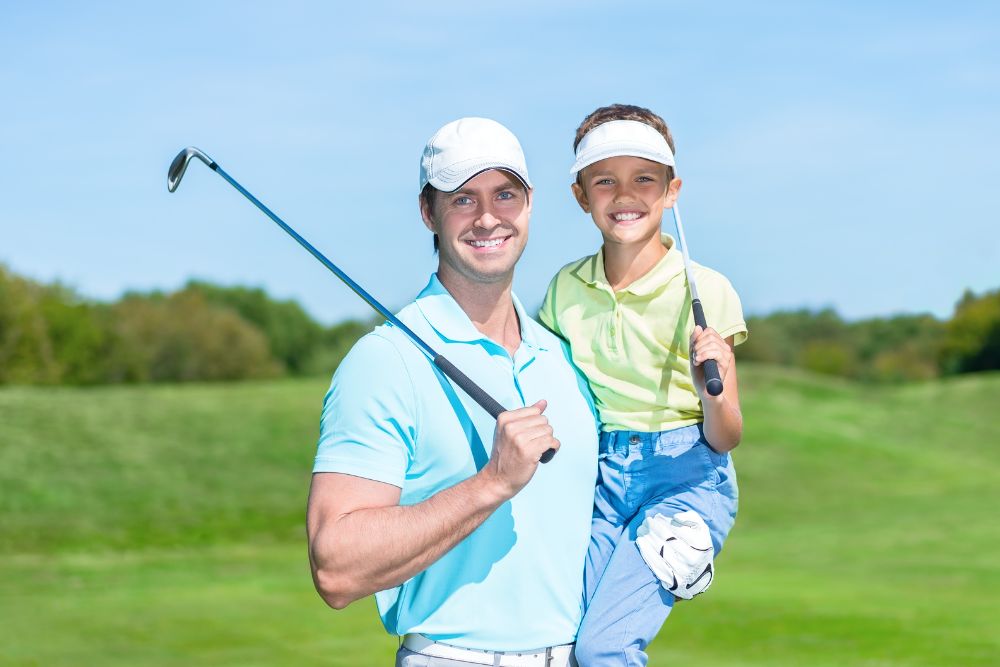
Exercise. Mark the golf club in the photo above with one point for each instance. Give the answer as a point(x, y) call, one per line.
point(713, 382)
point(487, 402)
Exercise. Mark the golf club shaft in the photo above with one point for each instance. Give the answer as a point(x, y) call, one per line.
point(713, 381)
point(474, 391)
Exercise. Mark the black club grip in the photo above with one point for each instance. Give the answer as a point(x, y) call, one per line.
point(477, 394)
point(713, 381)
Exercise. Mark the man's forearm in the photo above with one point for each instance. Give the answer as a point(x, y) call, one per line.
point(368, 550)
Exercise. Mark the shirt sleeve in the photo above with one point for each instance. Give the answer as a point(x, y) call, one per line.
point(369, 421)
point(547, 313)
point(723, 309)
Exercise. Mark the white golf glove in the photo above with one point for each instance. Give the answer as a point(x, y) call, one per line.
point(679, 552)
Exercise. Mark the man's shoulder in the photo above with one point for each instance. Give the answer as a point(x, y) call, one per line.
point(385, 347)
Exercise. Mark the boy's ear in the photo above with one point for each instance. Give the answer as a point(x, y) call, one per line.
point(673, 191)
point(581, 197)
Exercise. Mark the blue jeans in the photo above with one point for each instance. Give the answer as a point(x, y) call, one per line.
point(641, 474)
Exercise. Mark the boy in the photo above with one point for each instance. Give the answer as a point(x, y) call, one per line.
point(664, 470)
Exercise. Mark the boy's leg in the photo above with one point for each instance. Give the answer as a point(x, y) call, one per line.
point(630, 605)
point(608, 520)
point(626, 611)
point(604, 535)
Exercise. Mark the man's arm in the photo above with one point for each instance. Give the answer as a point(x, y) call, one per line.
point(362, 541)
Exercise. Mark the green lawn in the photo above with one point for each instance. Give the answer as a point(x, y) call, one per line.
point(163, 526)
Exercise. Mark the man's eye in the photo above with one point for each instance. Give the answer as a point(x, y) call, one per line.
point(506, 194)
point(462, 201)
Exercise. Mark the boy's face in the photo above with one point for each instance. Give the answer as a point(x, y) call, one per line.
point(482, 227)
point(626, 197)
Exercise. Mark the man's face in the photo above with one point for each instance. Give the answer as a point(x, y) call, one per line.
point(626, 196)
point(482, 227)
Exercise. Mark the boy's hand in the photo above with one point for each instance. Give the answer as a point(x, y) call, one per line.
point(708, 344)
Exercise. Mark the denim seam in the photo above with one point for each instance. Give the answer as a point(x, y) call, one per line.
point(632, 617)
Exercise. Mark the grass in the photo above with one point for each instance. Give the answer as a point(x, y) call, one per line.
point(162, 525)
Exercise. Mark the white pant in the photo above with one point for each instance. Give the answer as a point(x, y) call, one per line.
point(418, 651)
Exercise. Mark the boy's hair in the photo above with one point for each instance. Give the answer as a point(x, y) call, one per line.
point(623, 112)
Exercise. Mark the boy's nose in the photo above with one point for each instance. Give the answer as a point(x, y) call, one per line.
point(623, 194)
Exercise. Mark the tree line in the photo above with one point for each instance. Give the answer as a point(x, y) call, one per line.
point(49, 334)
point(881, 349)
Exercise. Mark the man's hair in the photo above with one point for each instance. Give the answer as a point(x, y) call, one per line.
point(623, 112)
point(427, 197)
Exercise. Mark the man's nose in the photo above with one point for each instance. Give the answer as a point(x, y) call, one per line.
point(487, 218)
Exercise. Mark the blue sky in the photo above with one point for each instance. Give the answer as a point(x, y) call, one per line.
point(840, 154)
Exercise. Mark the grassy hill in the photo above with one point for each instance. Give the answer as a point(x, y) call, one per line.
point(163, 525)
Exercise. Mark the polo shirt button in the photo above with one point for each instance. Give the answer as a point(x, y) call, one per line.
point(612, 331)
point(634, 440)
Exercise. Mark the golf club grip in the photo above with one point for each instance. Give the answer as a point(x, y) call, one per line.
point(713, 381)
point(477, 394)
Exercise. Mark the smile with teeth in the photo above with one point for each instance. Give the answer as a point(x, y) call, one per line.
point(488, 243)
point(626, 216)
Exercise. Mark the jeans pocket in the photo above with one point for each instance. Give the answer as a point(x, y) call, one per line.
point(713, 461)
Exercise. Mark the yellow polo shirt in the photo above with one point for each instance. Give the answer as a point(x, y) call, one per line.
point(633, 345)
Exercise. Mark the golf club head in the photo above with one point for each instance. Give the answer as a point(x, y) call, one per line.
point(180, 163)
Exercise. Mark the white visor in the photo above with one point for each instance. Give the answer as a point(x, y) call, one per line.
point(622, 137)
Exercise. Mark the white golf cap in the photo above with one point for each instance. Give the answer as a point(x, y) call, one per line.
point(622, 137)
point(467, 147)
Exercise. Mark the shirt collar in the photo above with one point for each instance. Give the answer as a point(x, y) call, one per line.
point(669, 266)
point(450, 322)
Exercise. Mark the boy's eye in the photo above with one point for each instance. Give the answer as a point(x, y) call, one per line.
point(604, 181)
point(645, 179)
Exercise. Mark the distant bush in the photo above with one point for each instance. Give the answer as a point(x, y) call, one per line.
point(292, 336)
point(829, 357)
point(972, 338)
point(181, 337)
point(26, 351)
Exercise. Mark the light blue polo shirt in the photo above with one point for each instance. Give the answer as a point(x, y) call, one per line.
point(516, 582)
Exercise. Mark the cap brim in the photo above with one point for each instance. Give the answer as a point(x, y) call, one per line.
point(451, 179)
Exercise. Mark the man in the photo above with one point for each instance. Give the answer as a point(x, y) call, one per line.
point(474, 550)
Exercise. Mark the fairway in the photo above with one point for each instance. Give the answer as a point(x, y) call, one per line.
point(163, 525)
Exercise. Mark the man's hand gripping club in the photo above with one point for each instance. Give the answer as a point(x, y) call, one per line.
point(521, 437)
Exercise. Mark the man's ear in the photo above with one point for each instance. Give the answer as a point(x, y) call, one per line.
point(581, 197)
point(673, 191)
point(425, 213)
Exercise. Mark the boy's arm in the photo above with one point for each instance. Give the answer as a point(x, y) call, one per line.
point(723, 419)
